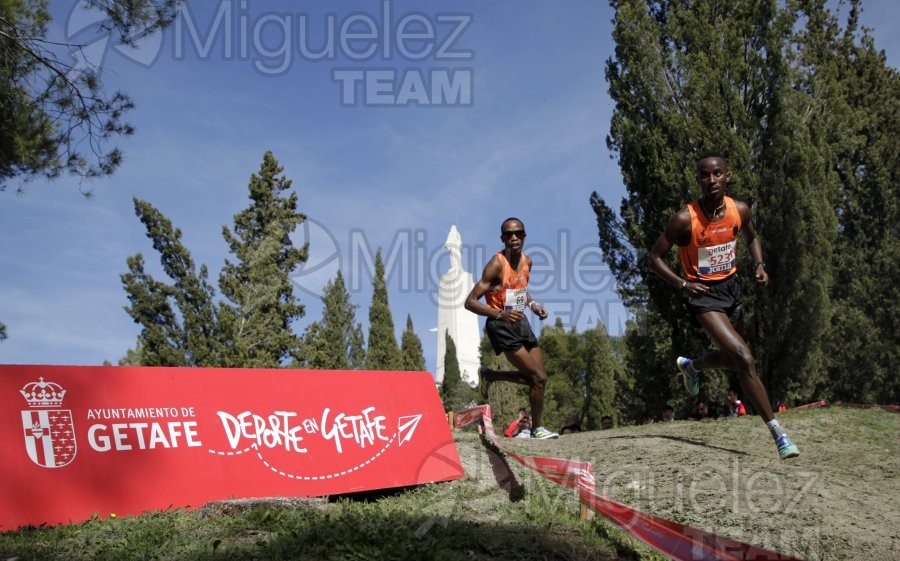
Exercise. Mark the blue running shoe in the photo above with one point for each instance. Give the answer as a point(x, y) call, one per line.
point(691, 377)
point(786, 448)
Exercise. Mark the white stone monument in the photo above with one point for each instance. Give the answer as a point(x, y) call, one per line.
point(454, 318)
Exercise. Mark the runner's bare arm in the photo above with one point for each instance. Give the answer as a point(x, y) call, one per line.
point(753, 243)
point(677, 231)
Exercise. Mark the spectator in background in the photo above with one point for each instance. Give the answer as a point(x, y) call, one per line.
point(735, 407)
point(520, 427)
point(606, 422)
point(570, 428)
point(668, 414)
point(646, 418)
point(701, 411)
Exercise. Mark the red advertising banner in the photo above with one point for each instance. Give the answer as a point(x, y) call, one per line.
point(80, 440)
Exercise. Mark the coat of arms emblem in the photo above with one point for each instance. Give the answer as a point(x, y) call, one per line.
point(49, 431)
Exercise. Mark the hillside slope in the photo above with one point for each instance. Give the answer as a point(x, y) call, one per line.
point(838, 500)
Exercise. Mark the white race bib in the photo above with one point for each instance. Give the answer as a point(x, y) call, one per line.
point(515, 299)
point(716, 259)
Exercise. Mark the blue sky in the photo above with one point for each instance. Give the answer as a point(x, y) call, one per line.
point(521, 134)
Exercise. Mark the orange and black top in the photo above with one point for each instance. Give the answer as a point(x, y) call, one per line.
point(709, 256)
point(511, 293)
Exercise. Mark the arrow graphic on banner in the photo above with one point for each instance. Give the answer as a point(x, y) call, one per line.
point(407, 426)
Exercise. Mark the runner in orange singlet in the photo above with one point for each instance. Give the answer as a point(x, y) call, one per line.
point(504, 286)
point(706, 232)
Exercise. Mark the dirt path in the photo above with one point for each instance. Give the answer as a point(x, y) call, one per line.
point(837, 501)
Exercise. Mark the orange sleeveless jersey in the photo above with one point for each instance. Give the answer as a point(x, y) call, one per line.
point(511, 294)
point(710, 254)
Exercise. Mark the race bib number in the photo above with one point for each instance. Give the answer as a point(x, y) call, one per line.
point(716, 259)
point(515, 299)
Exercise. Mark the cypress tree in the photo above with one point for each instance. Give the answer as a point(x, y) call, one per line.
point(382, 352)
point(413, 357)
point(564, 360)
point(690, 77)
point(335, 341)
point(601, 382)
point(863, 345)
point(455, 394)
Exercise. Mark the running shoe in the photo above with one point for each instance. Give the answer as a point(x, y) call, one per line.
point(543, 433)
point(483, 383)
point(786, 448)
point(691, 377)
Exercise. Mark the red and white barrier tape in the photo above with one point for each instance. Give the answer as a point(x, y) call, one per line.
point(678, 541)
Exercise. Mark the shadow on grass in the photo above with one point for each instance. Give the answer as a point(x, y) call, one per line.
point(380, 530)
point(685, 440)
point(301, 534)
point(503, 473)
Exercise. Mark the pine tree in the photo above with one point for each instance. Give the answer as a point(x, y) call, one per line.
point(382, 352)
point(56, 116)
point(335, 342)
point(181, 326)
point(178, 320)
point(258, 320)
point(413, 358)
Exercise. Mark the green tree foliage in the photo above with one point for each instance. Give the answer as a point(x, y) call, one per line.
point(586, 377)
point(336, 341)
point(778, 88)
point(57, 118)
point(133, 357)
point(505, 398)
point(603, 379)
point(178, 320)
point(181, 324)
point(455, 394)
point(864, 108)
point(258, 321)
point(413, 357)
point(564, 395)
point(382, 352)
point(2, 331)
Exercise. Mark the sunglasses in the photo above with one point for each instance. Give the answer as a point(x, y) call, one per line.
point(510, 233)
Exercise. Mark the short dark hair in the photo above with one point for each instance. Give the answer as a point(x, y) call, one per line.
point(510, 219)
point(711, 154)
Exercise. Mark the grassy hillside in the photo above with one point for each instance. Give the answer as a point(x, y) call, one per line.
point(837, 501)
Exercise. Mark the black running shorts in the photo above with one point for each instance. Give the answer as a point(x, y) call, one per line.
point(510, 337)
point(723, 296)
